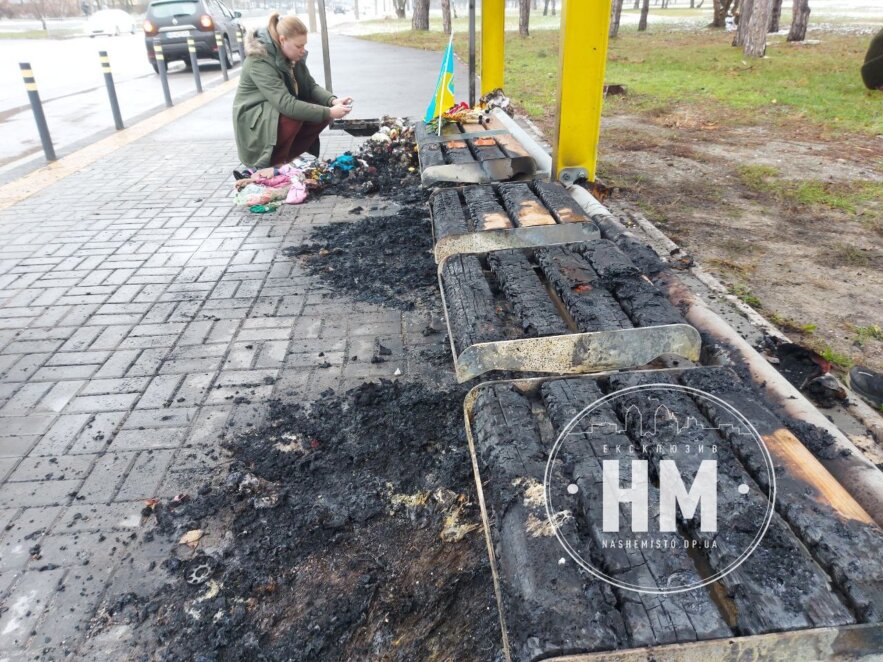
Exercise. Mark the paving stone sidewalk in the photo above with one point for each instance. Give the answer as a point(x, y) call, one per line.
point(143, 316)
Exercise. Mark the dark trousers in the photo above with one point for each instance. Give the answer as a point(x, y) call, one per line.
point(293, 138)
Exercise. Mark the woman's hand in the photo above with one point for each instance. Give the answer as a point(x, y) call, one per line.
point(339, 111)
point(346, 101)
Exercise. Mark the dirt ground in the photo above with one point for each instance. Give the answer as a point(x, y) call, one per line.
point(815, 271)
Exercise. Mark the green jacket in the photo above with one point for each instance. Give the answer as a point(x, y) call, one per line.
point(266, 91)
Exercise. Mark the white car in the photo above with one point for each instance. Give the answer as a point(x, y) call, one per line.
point(110, 22)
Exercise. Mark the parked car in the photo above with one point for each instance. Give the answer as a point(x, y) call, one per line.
point(110, 22)
point(173, 21)
point(339, 9)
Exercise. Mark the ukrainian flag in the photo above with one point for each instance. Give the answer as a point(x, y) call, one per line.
point(444, 88)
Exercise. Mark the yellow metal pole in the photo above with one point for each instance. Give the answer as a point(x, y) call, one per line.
point(584, 26)
point(493, 26)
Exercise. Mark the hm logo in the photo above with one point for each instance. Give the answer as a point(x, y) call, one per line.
point(672, 494)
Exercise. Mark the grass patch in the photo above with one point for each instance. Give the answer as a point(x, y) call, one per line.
point(745, 295)
point(840, 360)
point(851, 256)
point(845, 196)
point(731, 267)
point(40, 34)
point(698, 69)
point(790, 326)
point(865, 333)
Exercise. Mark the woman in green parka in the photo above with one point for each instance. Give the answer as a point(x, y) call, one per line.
point(279, 110)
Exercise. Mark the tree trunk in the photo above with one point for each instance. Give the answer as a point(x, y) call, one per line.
point(399, 6)
point(775, 16)
point(524, 18)
point(356, 9)
point(645, 9)
point(546, 8)
point(743, 17)
point(758, 25)
point(637, 4)
point(446, 16)
point(799, 20)
point(420, 17)
point(311, 11)
point(553, 6)
point(615, 12)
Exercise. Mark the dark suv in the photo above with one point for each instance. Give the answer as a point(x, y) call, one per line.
point(172, 21)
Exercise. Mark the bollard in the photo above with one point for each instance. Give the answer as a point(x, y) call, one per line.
point(163, 74)
point(191, 46)
point(37, 107)
point(111, 90)
point(241, 45)
point(222, 56)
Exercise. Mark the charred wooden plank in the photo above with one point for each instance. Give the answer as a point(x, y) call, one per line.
point(507, 142)
point(485, 210)
point(524, 208)
point(642, 301)
point(560, 203)
point(523, 288)
point(457, 151)
point(550, 608)
point(651, 619)
point(470, 303)
point(447, 213)
point(803, 596)
point(483, 148)
point(590, 304)
point(834, 530)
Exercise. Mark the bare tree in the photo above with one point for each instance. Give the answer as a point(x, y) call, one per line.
point(743, 18)
point(524, 18)
point(546, 8)
point(420, 17)
point(775, 16)
point(311, 12)
point(446, 16)
point(757, 26)
point(645, 9)
point(356, 9)
point(720, 9)
point(800, 17)
point(615, 12)
point(399, 6)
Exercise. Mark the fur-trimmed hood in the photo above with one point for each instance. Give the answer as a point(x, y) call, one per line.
point(258, 44)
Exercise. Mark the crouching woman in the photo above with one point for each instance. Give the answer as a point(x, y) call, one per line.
point(279, 110)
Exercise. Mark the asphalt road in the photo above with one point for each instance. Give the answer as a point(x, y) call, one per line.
point(72, 88)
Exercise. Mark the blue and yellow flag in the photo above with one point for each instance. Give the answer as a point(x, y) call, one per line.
point(444, 88)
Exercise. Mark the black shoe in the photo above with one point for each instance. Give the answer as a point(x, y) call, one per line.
point(868, 384)
point(315, 149)
point(237, 175)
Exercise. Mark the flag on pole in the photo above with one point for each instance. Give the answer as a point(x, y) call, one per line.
point(444, 88)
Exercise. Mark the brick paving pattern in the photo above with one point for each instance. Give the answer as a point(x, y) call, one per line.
point(143, 316)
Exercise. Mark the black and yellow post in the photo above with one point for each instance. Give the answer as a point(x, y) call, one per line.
point(240, 44)
point(191, 47)
point(111, 90)
point(222, 54)
point(37, 106)
point(163, 74)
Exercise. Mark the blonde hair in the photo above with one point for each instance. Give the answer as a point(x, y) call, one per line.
point(285, 26)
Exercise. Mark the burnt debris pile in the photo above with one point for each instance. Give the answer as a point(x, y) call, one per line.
point(384, 260)
point(351, 535)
